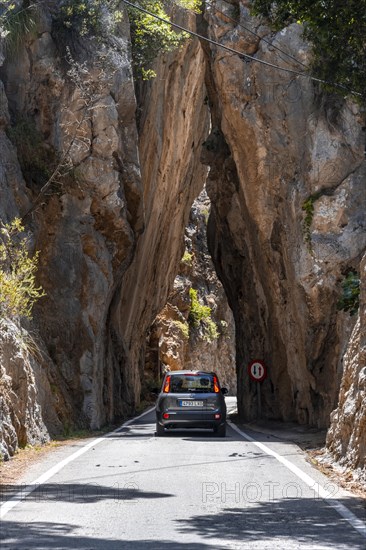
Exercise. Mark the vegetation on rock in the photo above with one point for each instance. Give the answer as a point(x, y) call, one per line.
point(149, 36)
point(183, 327)
point(16, 21)
point(350, 299)
point(337, 31)
point(200, 316)
point(187, 258)
point(18, 289)
point(198, 312)
point(308, 208)
point(98, 19)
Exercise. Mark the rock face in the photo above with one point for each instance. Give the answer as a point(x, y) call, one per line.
point(173, 125)
point(346, 439)
point(28, 399)
point(177, 343)
point(85, 221)
point(286, 182)
point(94, 219)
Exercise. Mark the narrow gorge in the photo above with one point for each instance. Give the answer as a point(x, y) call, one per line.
point(103, 169)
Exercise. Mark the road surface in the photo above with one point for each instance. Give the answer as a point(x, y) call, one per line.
point(188, 490)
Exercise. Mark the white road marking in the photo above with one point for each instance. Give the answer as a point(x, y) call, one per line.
point(353, 520)
point(19, 497)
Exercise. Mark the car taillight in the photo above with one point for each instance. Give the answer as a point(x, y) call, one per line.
point(216, 385)
point(217, 416)
point(167, 384)
point(166, 415)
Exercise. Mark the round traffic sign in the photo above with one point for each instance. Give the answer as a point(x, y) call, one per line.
point(257, 371)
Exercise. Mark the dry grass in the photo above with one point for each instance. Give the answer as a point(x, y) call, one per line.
point(12, 470)
point(344, 479)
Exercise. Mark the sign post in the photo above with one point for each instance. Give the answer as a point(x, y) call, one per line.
point(258, 372)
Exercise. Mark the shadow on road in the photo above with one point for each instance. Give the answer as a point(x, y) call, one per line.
point(301, 523)
point(61, 536)
point(144, 428)
point(86, 493)
point(305, 521)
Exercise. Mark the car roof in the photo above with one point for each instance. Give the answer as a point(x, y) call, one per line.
point(190, 372)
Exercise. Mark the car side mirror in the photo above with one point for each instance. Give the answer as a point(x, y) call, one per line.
point(224, 391)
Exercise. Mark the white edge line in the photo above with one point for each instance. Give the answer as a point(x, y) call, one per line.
point(342, 510)
point(19, 497)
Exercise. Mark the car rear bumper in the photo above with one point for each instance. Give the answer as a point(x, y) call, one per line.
point(190, 419)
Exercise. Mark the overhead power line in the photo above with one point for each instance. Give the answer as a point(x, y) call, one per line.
point(236, 52)
point(258, 36)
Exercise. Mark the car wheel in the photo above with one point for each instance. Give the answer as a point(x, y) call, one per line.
point(160, 432)
point(220, 430)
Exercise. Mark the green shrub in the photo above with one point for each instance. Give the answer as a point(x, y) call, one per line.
point(308, 208)
point(198, 312)
point(149, 36)
point(350, 299)
point(187, 258)
point(200, 317)
point(16, 22)
point(210, 332)
point(18, 290)
point(183, 327)
point(85, 17)
point(194, 5)
point(206, 214)
point(337, 31)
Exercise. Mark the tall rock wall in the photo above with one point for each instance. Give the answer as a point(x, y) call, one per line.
point(110, 221)
point(279, 146)
point(346, 438)
point(31, 401)
point(173, 126)
point(86, 220)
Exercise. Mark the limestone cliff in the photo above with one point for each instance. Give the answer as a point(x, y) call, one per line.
point(72, 124)
point(31, 402)
point(110, 246)
point(173, 126)
point(279, 147)
point(346, 438)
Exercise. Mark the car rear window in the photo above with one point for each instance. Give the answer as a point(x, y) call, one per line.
point(185, 383)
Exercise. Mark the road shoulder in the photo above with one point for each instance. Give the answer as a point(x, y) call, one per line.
point(312, 442)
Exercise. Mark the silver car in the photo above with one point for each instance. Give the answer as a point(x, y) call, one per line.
point(191, 399)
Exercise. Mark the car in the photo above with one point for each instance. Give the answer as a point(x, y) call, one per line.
point(191, 399)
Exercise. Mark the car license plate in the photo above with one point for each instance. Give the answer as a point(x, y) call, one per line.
point(191, 403)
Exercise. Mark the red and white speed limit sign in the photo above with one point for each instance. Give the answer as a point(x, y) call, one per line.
point(257, 371)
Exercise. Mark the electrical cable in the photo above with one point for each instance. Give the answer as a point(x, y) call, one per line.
point(236, 52)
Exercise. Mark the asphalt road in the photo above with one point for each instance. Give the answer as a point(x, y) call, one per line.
point(188, 490)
